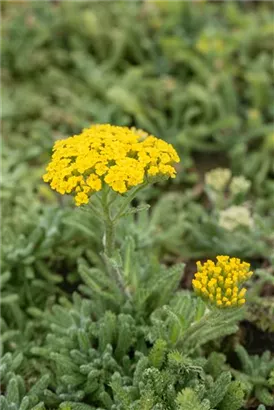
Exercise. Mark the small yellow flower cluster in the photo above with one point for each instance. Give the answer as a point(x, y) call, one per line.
point(219, 282)
point(118, 156)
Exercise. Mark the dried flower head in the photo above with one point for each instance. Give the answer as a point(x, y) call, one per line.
point(235, 217)
point(106, 154)
point(219, 282)
point(218, 178)
point(239, 185)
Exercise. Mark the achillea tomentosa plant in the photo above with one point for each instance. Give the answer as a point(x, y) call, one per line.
point(98, 351)
point(102, 358)
point(109, 160)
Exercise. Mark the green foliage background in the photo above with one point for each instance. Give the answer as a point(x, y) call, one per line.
point(197, 74)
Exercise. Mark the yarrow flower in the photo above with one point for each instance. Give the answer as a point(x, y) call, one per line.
point(106, 154)
point(220, 282)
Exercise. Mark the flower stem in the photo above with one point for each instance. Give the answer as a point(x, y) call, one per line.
point(109, 243)
point(109, 234)
point(109, 238)
point(197, 327)
point(128, 200)
point(109, 225)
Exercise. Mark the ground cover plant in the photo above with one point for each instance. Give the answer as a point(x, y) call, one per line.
point(146, 281)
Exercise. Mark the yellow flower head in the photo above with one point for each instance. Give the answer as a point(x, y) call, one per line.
point(219, 282)
point(106, 154)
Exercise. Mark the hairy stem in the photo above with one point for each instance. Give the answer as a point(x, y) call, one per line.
point(109, 243)
point(109, 228)
point(128, 200)
point(196, 327)
point(109, 237)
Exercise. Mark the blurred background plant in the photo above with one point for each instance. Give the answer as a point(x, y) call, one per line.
point(196, 74)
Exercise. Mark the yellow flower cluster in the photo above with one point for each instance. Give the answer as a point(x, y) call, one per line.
point(118, 156)
point(219, 282)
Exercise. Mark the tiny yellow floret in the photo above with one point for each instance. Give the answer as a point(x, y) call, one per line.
point(220, 282)
point(120, 157)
